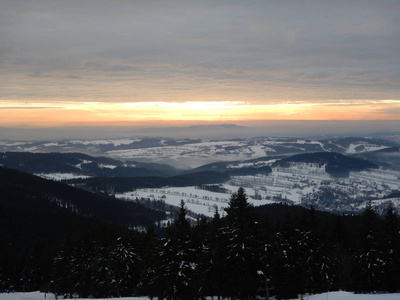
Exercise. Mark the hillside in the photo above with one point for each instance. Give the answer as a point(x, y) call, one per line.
point(336, 164)
point(388, 157)
point(329, 158)
point(38, 215)
point(119, 185)
point(31, 193)
point(80, 165)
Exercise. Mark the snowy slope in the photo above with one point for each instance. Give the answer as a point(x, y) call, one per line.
point(326, 296)
point(351, 296)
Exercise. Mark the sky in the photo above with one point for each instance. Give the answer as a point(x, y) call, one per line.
point(153, 63)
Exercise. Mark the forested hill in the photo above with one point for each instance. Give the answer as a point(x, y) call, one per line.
point(25, 192)
point(81, 164)
point(38, 215)
point(388, 157)
point(124, 184)
point(330, 158)
point(337, 165)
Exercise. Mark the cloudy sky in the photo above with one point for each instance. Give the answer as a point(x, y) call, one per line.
point(95, 62)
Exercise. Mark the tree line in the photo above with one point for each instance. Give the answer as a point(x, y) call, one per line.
point(234, 256)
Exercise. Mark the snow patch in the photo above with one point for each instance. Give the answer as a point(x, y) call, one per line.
point(365, 148)
point(116, 143)
point(103, 166)
point(61, 176)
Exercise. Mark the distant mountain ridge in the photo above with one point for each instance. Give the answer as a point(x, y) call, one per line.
point(214, 126)
point(193, 152)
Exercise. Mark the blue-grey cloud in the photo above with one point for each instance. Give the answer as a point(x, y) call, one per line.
point(331, 49)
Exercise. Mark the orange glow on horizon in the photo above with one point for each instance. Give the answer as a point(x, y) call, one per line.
point(50, 114)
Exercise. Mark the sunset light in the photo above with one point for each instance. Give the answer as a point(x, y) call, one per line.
point(95, 113)
point(131, 63)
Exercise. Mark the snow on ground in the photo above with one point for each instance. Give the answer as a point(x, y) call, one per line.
point(258, 151)
point(257, 164)
point(61, 176)
point(326, 296)
point(193, 154)
point(297, 184)
point(196, 200)
point(355, 148)
point(303, 142)
point(30, 149)
point(11, 143)
point(116, 143)
point(104, 166)
point(351, 296)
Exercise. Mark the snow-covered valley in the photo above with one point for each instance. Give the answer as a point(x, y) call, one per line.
point(299, 184)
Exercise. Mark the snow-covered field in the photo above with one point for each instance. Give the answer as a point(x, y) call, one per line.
point(196, 200)
point(116, 142)
point(192, 155)
point(61, 176)
point(298, 184)
point(326, 296)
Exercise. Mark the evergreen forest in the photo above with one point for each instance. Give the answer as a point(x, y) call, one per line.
point(244, 253)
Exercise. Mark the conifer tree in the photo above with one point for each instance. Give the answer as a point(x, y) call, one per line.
point(102, 275)
point(81, 265)
point(267, 232)
point(150, 276)
point(316, 263)
point(216, 278)
point(154, 278)
point(124, 262)
point(201, 257)
point(5, 281)
point(391, 240)
point(33, 272)
point(241, 262)
point(342, 257)
point(177, 262)
point(288, 272)
point(63, 282)
point(369, 255)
